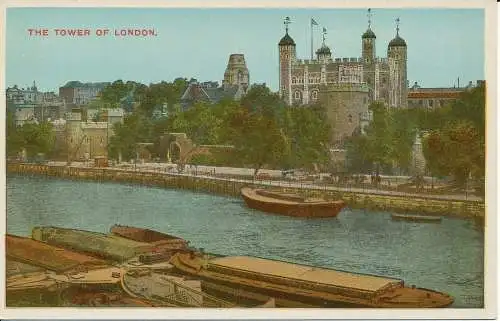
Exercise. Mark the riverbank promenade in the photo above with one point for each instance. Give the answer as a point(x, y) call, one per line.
point(274, 178)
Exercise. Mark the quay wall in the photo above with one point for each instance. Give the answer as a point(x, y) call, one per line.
point(231, 187)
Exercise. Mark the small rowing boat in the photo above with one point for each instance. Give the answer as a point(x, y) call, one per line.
point(416, 218)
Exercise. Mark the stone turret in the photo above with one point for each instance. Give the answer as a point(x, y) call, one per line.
point(368, 43)
point(236, 72)
point(287, 52)
point(398, 85)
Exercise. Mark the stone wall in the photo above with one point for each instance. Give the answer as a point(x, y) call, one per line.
point(223, 186)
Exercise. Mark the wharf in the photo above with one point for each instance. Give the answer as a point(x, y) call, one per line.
point(377, 200)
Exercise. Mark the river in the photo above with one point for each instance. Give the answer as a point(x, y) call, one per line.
point(447, 257)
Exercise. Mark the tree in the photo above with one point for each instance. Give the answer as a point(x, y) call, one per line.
point(158, 94)
point(260, 100)
point(456, 150)
point(257, 139)
point(379, 135)
point(136, 128)
point(36, 138)
point(14, 139)
point(403, 129)
point(307, 134)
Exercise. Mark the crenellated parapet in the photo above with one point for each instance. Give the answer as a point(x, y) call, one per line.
point(342, 87)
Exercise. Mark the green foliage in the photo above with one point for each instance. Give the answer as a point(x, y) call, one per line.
point(158, 94)
point(203, 159)
point(454, 146)
point(14, 139)
point(388, 141)
point(136, 128)
point(34, 138)
point(307, 135)
point(456, 149)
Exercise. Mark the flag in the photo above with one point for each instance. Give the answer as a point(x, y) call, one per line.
point(313, 22)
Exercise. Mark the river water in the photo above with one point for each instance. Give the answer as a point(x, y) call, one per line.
point(446, 257)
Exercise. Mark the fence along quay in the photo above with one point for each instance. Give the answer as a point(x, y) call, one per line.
point(424, 204)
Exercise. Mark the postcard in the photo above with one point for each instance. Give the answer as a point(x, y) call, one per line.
point(224, 160)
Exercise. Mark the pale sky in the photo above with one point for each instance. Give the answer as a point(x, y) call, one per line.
point(443, 44)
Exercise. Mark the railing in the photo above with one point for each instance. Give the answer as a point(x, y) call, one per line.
point(207, 179)
point(182, 296)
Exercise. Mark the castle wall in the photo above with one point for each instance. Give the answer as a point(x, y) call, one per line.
point(307, 76)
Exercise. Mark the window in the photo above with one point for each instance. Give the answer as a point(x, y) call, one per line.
point(431, 102)
point(294, 80)
point(349, 119)
point(297, 95)
point(314, 95)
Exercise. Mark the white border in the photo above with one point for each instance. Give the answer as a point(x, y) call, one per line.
point(491, 257)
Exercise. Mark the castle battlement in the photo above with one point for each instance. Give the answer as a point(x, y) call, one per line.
point(95, 125)
point(363, 87)
point(303, 62)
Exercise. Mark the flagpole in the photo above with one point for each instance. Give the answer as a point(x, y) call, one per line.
point(312, 39)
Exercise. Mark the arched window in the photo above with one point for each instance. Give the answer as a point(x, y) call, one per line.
point(349, 118)
point(297, 95)
point(314, 95)
point(294, 80)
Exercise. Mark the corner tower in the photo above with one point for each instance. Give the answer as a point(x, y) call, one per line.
point(397, 58)
point(324, 53)
point(287, 52)
point(368, 42)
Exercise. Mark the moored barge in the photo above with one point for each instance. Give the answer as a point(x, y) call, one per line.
point(249, 281)
point(290, 204)
point(155, 238)
point(110, 247)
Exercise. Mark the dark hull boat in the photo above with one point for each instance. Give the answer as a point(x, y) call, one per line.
point(290, 204)
point(154, 238)
point(250, 281)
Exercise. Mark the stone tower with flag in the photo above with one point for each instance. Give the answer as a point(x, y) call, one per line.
point(347, 86)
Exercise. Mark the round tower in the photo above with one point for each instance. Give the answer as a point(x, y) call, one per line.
point(287, 54)
point(368, 43)
point(397, 57)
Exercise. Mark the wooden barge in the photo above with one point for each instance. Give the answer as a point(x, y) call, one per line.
point(110, 247)
point(249, 281)
point(290, 204)
point(155, 238)
point(50, 257)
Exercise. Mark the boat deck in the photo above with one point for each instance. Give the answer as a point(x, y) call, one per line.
point(282, 198)
point(47, 256)
point(361, 282)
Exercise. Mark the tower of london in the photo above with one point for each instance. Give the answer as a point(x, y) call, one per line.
point(385, 78)
point(346, 86)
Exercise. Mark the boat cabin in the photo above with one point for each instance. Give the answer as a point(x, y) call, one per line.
point(304, 277)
